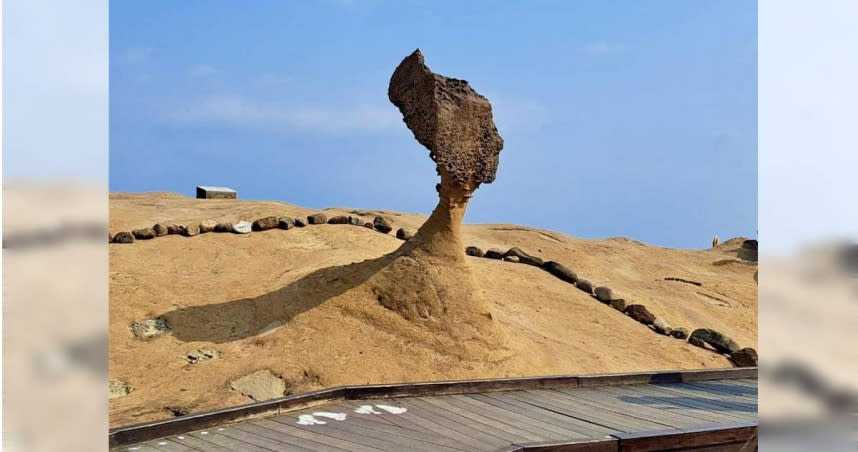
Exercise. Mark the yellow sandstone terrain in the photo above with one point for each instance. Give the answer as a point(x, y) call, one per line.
point(288, 301)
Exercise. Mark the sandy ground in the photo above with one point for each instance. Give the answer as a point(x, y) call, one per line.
point(212, 285)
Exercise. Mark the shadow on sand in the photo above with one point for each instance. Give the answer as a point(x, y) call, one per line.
point(240, 319)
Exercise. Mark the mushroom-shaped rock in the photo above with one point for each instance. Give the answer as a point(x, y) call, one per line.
point(474, 251)
point(560, 271)
point(640, 313)
point(264, 224)
point(717, 340)
point(604, 294)
point(382, 224)
point(746, 357)
point(123, 237)
point(144, 233)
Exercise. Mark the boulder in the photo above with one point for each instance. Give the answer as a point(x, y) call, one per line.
point(160, 230)
point(746, 357)
point(661, 326)
point(123, 237)
point(118, 388)
point(318, 218)
point(679, 333)
point(149, 328)
point(264, 224)
point(223, 227)
point(750, 244)
point(619, 304)
point(513, 259)
point(382, 224)
point(604, 294)
point(300, 223)
point(494, 253)
point(144, 234)
point(285, 223)
point(523, 257)
point(404, 233)
point(356, 221)
point(339, 219)
point(640, 313)
point(175, 229)
point(242, 227)
point(368, 225)
point(585, 285)
point(719, 341)
point(207, 226)
point(202, 354)
point(474, 251)
point(260, 385)
point(558, 270)
point(191, 230)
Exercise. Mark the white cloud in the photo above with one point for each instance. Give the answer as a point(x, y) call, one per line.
point(243, 112)
point(202, 71)
point(600, 48)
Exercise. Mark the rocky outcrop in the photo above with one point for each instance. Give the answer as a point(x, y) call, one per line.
point(679, 333)
point(404, 233)
point(318, 218)
point(285, 223)
point(149, 328)
point(659, 325)
point(260, 385)
point(494, 253)
point(474, 251)
point(339, 219)
point(190, 230)
point(523, 257)
point(242, 227)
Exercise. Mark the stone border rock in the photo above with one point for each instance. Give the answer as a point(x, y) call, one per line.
point(705, 338)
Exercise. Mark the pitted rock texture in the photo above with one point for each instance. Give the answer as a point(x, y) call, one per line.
point(450, 119)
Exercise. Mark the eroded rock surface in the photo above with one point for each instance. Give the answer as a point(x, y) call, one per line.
point(260, 385)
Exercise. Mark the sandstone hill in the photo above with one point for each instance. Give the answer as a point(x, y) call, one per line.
point(287, 305)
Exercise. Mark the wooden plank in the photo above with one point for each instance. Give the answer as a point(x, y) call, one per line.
point(619, 422)
point(644, 397)
point(602, 398)
point(399, 420)
point(321, 438)
point(736, 434)
point(547, 414)
point(484, 438)
point(369, 435)
point(286, 439)
point(197, 444)
point(656, 397)
point(225, 441)
point(726, 392)
point(168, 445)
point(546, 429)
point(261, 441)
point(140, 448)
point(726, 404)
point(376, 422)
point(166, 427)
point(593, 445)
point(511, 432)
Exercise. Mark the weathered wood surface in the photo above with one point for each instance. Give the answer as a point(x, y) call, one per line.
point(626, 412)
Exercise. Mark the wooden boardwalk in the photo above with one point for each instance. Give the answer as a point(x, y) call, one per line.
point(715, 410)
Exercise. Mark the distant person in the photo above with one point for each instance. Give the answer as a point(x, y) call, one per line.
point(715, 241)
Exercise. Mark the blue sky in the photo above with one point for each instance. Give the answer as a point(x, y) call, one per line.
point(633, 119)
